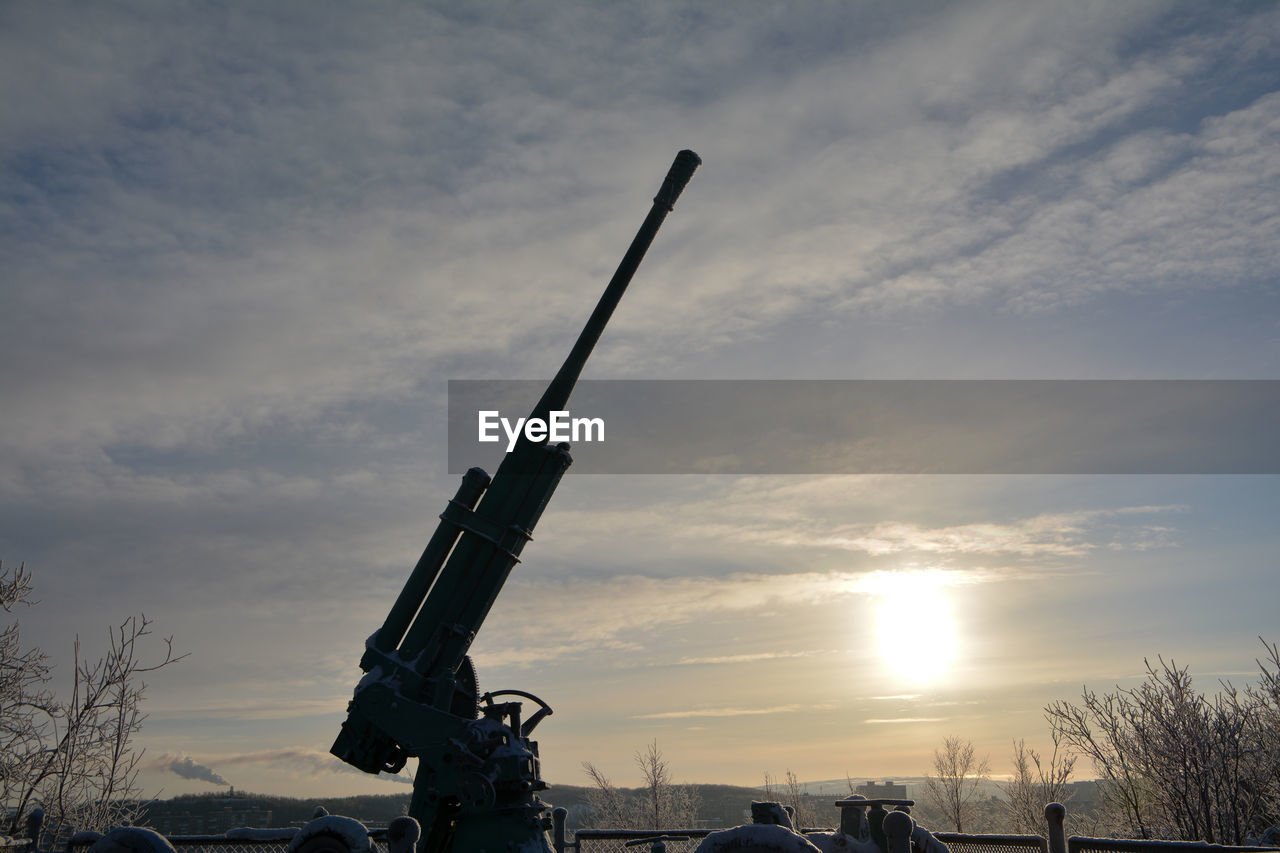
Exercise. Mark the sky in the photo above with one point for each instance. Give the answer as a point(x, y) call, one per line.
point(245, 248)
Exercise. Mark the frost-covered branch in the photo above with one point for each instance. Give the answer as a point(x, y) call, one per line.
point(75, 758)
point(958, 773)
point(1176, 763)
point(1036, 783)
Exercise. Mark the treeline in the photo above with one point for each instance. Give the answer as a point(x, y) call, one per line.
point(719, 805)
point(375, 809)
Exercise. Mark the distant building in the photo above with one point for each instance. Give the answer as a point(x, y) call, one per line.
point(886, 790)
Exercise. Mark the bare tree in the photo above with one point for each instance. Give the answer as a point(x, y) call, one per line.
point(792, 795)
point(609, 807)
point(1178, 764)
point(657, 781)
point(668, 804)
point(659, 804)
point(958, 774)
point(1035, 784)
point(74, 758)
point(26, 704)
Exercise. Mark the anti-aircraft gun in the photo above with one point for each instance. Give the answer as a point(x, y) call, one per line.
point(478, 777)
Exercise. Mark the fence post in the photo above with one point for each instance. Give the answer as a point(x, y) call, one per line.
point(558, 817)
point(132, 839)
point(402, 835)
point(1055, 814)
point(35, 823)
point(897, 832)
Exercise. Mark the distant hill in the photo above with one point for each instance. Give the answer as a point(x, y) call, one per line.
point(915, 786)
point(720, 806)
point(215, 813)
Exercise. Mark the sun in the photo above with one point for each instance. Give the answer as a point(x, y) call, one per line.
point(915, 627)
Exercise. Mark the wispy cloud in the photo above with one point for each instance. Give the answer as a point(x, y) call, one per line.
point(892, 720)
point(731, 712)
point(262, 708)
point(537, 609)
point(345, 225)
point(1068, 534)
point(794, 516)
point(755, 657)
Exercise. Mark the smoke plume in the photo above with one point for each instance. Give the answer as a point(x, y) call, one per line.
point(185, 767)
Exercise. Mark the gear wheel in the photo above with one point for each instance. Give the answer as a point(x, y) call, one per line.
point(466, 691)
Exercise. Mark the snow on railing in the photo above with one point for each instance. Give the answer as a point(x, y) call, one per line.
point(324, 834)
point(1053, 841)
point(1082, 844)
point(334, 834)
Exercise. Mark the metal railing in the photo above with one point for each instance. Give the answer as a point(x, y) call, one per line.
point(631, 840)
point(675, 840)
point(624, 840)
point(208, 844)
point(391, 839)
point(233, 844)
point(959, 842)
point(1082, 844)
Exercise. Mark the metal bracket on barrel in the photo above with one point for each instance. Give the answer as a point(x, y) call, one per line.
point(500, 537)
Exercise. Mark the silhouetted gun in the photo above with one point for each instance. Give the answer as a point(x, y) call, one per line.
point(478, 774)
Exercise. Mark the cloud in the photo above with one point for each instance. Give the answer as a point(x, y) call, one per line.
point(536, 609)
point(212, 286)
point(1051, 534)
point(731, 712)
point(892, 720)
point(788, 517)
point(187, 768)
point(263, 708)
point(744, 658)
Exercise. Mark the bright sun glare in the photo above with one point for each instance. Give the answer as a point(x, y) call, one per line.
point(915, 626)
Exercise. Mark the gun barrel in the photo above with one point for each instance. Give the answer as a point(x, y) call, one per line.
point(407, 705)
point(388, 637)
point(477, 569)
point(556, 397)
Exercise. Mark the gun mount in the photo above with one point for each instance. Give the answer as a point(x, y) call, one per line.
point(478, 777)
